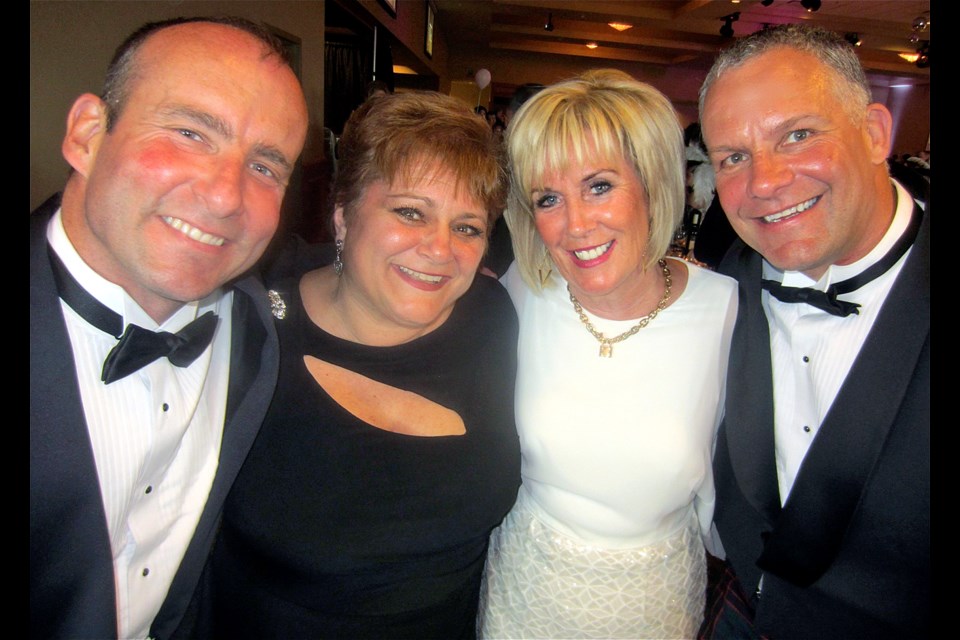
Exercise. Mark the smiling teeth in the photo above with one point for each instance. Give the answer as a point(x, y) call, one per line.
point(593, 254)
point(192, 232)
point(792, 211)
point(416, 275)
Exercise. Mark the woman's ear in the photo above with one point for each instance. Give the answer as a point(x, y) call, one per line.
point(86, 126)
point(339, 225)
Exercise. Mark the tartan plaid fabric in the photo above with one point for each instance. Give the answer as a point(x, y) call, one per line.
point(729, 613)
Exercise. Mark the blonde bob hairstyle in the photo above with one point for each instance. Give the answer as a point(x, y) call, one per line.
point(412, 136)
point(598, 116)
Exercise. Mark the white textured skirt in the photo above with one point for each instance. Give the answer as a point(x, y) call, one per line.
point(540, 583)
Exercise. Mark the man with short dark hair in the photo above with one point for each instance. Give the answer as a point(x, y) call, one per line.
point(822, 463)
point(152, 354)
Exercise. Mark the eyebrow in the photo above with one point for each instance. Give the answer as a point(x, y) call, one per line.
point(200, 117)
point(585, 178)
point(430, 203)
point(720, 148)
point(474, 215)
point(790, 123)
point(210, 121)
point(412, 196)
point(272, 153)
point(786, 125)
point(593, 175)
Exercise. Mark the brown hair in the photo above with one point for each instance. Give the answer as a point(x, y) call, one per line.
point(124, 64)
point(403, 135)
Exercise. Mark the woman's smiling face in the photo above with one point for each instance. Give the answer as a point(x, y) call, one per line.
point(411, 250)
point(594, 220)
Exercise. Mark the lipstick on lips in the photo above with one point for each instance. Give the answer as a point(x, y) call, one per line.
point(592, 256)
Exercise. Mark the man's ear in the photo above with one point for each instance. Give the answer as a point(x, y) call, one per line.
point(879, 132)
point(86, 126)
point(339, 226)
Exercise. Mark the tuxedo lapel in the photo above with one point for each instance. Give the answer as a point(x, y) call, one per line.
point(748, 422)
point(254, 361)
point(71, 564)
point(246, 342)
point(835, 470)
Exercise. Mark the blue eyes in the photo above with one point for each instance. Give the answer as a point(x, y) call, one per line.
point(263, 170)
point(600, 187)
point(192, 135)
point(732, 159)
point(793, 137)
point(597, 188)
point(546, 201)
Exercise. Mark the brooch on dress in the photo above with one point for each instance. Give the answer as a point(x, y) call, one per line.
point(277, 306)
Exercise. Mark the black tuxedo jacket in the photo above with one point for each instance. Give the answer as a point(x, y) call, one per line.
point(72, 591)
point(848, 555)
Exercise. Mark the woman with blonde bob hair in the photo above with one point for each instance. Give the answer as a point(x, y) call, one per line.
point(607, 538)
point(390, 451)
point(605, 114)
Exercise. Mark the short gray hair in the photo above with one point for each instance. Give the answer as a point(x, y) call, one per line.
point(826, 46)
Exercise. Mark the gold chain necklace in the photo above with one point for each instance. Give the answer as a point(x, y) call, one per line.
point(606, 344)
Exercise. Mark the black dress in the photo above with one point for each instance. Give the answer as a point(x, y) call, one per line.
point(338, 529)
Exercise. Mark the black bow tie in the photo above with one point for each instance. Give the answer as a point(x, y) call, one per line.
point(827, 300)
point(138, 347)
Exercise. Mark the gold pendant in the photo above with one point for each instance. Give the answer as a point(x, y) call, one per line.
point(544, 276)
point(606, 349)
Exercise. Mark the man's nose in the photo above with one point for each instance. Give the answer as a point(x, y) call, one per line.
point(768, 174)
point(221, 189)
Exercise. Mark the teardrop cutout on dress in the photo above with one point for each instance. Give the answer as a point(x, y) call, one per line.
point(383, 406)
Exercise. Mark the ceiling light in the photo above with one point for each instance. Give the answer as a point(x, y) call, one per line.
point(909, 57)
point(620, 26)
point(810, 5)
point(853, 38)
point(591, 45)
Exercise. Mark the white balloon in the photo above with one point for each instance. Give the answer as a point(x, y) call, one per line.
point(482, 78)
